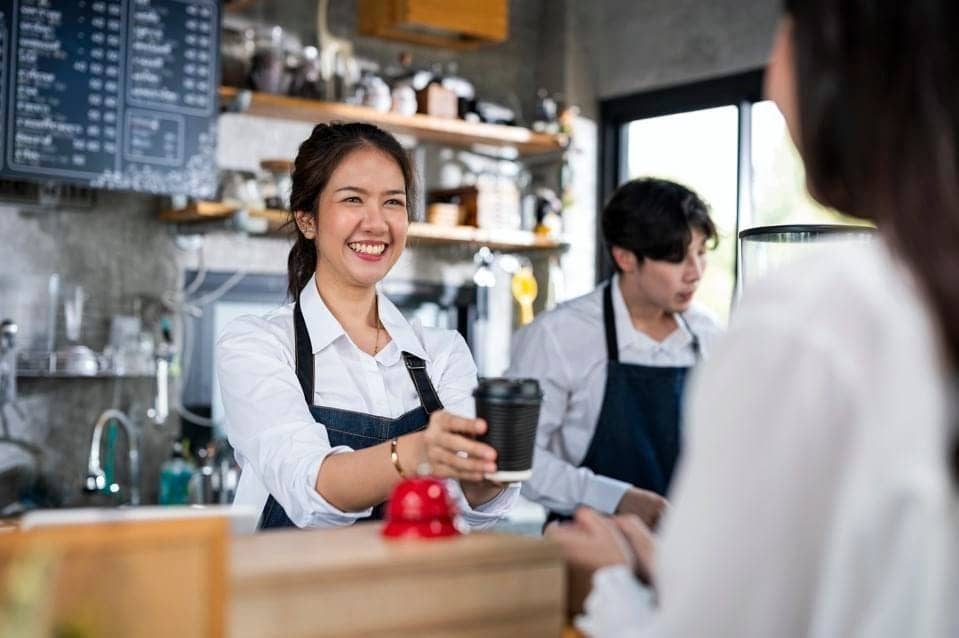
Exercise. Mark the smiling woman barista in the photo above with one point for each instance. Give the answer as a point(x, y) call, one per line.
point(613, 363)
point(330, 400)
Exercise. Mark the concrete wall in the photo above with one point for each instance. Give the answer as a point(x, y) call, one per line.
point(124, 258)
point(646, 44)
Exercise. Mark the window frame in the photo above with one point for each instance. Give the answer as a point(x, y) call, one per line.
point(741, 90)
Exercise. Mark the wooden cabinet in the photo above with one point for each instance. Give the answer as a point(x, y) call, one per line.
point(457, 24)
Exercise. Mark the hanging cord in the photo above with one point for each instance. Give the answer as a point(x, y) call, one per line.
point(200, 274)
point(181, 306)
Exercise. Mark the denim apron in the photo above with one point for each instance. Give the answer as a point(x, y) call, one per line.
point(345, 427)
point(637, 436)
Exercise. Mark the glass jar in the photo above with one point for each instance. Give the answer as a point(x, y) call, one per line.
point(308, 77)
point(237, 46)
point(275, 60)
point(276, 183)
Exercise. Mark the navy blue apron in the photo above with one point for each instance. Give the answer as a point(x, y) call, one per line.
point(637, 435)
point(354, 429)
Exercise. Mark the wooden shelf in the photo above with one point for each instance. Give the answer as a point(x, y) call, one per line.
point(239, 5)
point(422, 233)
point(202, 211)
point(430, 129)
point(419, 233)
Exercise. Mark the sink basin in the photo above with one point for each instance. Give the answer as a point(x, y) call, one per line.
point(242, 518)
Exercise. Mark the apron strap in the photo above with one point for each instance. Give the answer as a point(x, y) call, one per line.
point(424, 386)
point(609, 323)
point(695, 340)
point(303, 350)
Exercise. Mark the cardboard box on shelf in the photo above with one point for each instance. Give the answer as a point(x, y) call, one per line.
point(466, 198)
point(437, 101)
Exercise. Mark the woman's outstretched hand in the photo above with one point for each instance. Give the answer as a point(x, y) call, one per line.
point(452, 450)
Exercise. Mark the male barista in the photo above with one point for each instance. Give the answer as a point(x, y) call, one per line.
point(613, 363)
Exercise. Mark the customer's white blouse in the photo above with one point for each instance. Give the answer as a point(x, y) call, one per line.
point(814, 497)
point(279, 445)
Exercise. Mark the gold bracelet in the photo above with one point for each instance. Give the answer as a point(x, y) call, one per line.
point(395, 457)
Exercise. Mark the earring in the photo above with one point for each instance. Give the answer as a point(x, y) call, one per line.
point(304, 224)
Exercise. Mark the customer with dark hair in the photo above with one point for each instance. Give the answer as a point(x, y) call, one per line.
point(331, 399)
point(819, 493)
point(613, 363)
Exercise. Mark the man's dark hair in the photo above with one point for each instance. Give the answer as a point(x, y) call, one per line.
point(653, 218)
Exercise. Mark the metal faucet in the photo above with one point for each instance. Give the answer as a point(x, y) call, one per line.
point(96, 479)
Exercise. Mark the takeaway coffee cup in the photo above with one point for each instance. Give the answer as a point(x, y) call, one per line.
point(511, 410)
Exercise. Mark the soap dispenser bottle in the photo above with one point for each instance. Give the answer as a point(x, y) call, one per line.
point(175, 475)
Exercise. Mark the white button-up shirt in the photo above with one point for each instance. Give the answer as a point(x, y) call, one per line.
point(278, 443)
point(814, 497)
point(565, 349)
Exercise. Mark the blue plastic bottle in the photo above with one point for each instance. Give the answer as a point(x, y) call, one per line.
point(175, 476)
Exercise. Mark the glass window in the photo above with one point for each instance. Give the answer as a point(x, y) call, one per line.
point(698, 149)
point(691, 134)
point(778, 178)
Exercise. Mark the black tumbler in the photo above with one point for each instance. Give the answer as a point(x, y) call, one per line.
point(511, 410)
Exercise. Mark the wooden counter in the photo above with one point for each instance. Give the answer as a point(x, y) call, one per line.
point(352, 582)
point(137, 579)
point(191, 579)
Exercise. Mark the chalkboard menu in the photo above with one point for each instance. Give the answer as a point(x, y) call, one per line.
point(117, 94)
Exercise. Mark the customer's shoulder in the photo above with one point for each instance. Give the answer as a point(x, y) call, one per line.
point(834, 286)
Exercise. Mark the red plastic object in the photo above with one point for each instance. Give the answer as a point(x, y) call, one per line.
point(421, 508)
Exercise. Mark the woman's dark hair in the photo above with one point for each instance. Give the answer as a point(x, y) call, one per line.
point(319, 155)
point(878, 109)
point(654, 218)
